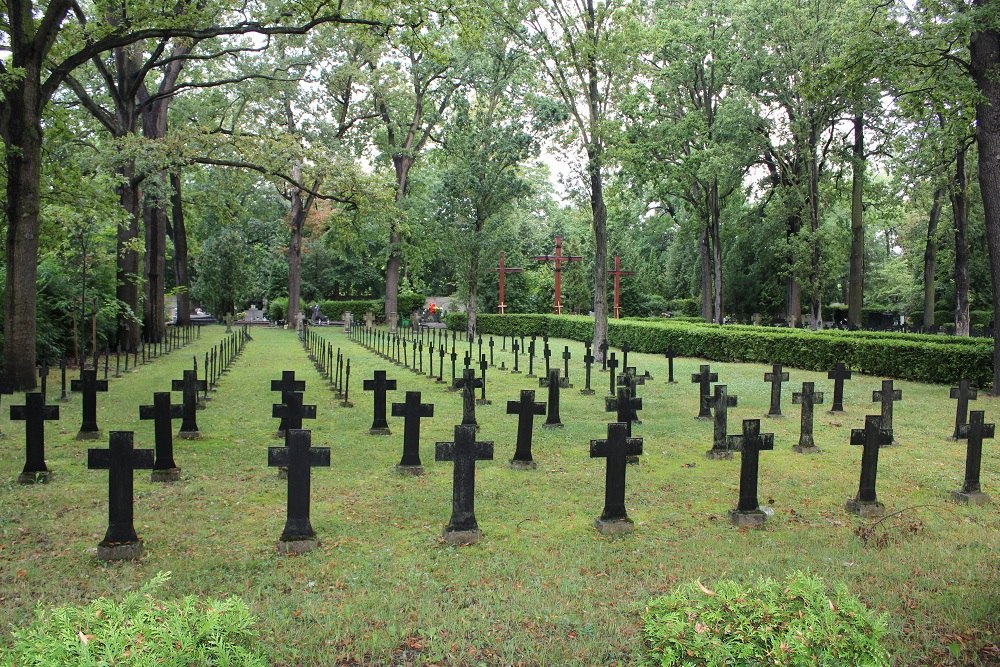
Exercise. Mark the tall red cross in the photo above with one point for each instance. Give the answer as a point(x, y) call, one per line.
point(618, 273)
point(558, 259)
point(504, 270)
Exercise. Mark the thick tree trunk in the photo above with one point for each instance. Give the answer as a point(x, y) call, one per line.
point(856, 278)
point(793, 290)
point(21, 128)
point(472, 307)
point(296, 219)
point(930, 258)
point(985, 51)
point(960, 216)
point(600, 213)
point(394, 263)
point(179, 237)
point(706, 273)
point(155, 267)
point(127, 272)
point(815, 277)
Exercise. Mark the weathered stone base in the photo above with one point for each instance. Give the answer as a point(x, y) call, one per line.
point(513, 372)
point(167, 475)
point(483, 401)
point(704, 418)
point(282, 472)
point(297, 547)
point(971, 498)
point(613, 527)
point(130, 551)
point(530, 375)
point(718, 454)
point(189, 435)
point(632, 460)
point(866, 510)
point(410, 471)
point(777, 416)
point(200, 405)
point(559, 425)
point(522, 465)
point(379, 431)
point(836, 412)
point(279, 434)
point(806, 449)
point(565, 385)
point(749, 519)
point(587, 392)
point(88, 435)
point(36, 477)
point(461, 538)
point(346, 404)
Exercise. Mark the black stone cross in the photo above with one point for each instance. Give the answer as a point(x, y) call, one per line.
point(750, 444)
point(720, 404)
point(516, 349)
point(603, 347)
point(964, 392)
point(616, 449)
point(808, 398)
point(190, 386)
point(379, 385)
point(525, 409)
point(547, 355)
point(491, 351)
point(887, 396)
point(670, 364)
point(89, 385)
point(120, 460)
point(482, 400)
point(626, 348)
point(34, 413)
point(411, 411)
point(839, 373)
point(588, 360)
point(454, 358)
point(625, 406)
point(441, 353)
point(468, 383)
point(43, 377)
point(976, 431)
point(612, 365)
point(346, 403)
point(871, 437)
point(566, 357)
point(552, 419)
point(299, 458)
point(531, 358)
point(704, 378)
point(462, 528)
point(775, 377)
point(162, 412)
point(291, 411)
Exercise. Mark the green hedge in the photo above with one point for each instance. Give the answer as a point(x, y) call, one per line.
point(277, 309)
point(904, 356)
point(335, 309)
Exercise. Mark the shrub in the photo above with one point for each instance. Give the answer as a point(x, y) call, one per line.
point(798, 622)
point(140, 630)
point(686, 307)
point(277, 308)
point(335, 309)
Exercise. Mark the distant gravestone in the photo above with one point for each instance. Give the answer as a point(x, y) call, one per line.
point(462, 528)
point(872, 437)
point(34, 413)
point(468, 383)
point(299, 458)
point(807, 398)
point(515, 348)
point(839, 373)
point(291, 412)
point(976, 431)
point(189, 386)
point(531, 358)
point(348, 321)
point(379, 385)
point(162, 412)
point(612, 367)
point(704, 379)
point(552, 419)
point(369, 319)
point(254, 315)
point(775, 377)
point(588, 360)
point(89, 385)
point(120, 460)
point(525, 409)
point(286, 385)
point(964, 392)
point(483, 365)
point(670, 364)
point(614, 519)
point(751, 443)
point(886, 397)
point(566, 356)
point(412, 411)
point(720, 404)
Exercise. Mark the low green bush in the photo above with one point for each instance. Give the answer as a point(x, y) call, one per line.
point(683, 307)
point(790, 623)
point(140, 631)
point(905, 356)
point(335, 309)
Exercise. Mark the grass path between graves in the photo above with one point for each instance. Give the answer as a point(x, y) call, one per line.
point(542, 587)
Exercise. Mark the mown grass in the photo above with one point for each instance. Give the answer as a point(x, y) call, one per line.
point(542, 587)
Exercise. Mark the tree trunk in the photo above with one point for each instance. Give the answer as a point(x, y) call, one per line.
point(856, 278)
point(472, 306)
point(930, 258)
point(815, 278)
point(706, 273)
point(22, 134)
point(985, 52)
point(127, 272)
point(960, 215)
point(179, 238)
point(155, 266)
point(600, 213)
point(296, 219)
point(716, 251)
point(793, 290)
point(394, 263)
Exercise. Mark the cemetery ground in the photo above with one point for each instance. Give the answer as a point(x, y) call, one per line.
point(542, 587)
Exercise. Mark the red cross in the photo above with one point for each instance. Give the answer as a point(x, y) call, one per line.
point(504, 270)
point(558, 259)
point(618, 273)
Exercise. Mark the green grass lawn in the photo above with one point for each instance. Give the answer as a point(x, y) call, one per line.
point(543, 587)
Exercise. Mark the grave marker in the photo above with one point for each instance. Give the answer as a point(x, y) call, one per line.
point(617, 274)
point(291, 412)
point(517, 355)
point(872, 437)
point(34, 413)
point(162, 412)
point(624, 405)
point(552, 418)
point(468, 383)
point(976, 431)
point(299, 458)
point(482, 400)
point(886, 397)
point(614, 520)
point(89, 385)
point(525, 409)
point(720, 404)
point(964, 392)
point(670, 364)
point(189, 386)
point(588, 360)
point(504, 270)
point(807, 398)
point(531, 358)
point(379, 385)
point(121, 461)
point(462, 527)
point(412, 410)
point(775, 377)
point(839, 373)
point(704, 379)
point(566, 357)
point(612, 365)
point(750, 444)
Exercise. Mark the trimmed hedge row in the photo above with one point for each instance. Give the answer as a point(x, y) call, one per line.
point(334, 310)
point(887, 356)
